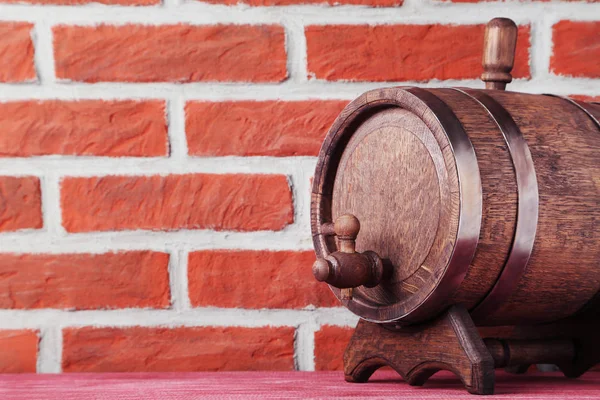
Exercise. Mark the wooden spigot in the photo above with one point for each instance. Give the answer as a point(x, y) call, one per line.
point(347, 269)
point(499, 46)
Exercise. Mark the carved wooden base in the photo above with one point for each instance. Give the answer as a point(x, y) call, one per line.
point(452, 342)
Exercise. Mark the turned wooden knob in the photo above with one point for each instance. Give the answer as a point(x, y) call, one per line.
point(321, 269)
point(499, 44)
point(346, 229)
point(347, 269)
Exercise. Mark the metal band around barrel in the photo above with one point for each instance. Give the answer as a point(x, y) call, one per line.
point(579, 104)
point(471, 198)
point(527, 211)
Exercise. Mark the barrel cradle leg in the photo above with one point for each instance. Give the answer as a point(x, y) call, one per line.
point(572, 344)
point(584, 329)
point(587, 354)
point(451, 342)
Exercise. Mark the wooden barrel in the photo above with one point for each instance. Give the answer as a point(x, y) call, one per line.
point(485, 198)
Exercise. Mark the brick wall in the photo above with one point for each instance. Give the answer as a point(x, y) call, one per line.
point(155, 164)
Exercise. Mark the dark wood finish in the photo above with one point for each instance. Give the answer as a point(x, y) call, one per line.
point(520, 353)
point(388, 160)
point(528, 206)
point(346, 269)
point(581, 330)
point(450, 342)
point(562, 274)
point(499, 44)
point(379, 112)
point(589, 109)
point(361, 182)
point(499, 197)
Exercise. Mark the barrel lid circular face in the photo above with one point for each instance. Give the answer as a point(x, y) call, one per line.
point(388, 161)
point(387, 178)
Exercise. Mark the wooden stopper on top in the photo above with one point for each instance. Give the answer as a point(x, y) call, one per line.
point(499, 44)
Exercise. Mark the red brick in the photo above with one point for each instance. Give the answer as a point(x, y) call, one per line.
point(173, 53)
point(88, 127)
point(16, 52)
point(226, 278)
point(584, 97)
point(330, 345)
point(403, 52)
point(20, 203)
point(194, 201)
point(259, 128)
point(576, 49)
point(373, 3)
point(78, 2)
point(18, 351)
point(84, 281)
point(177, 349)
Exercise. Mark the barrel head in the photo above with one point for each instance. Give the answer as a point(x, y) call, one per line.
point(390, 162)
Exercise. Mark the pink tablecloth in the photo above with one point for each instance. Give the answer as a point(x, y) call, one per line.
point(281, 385)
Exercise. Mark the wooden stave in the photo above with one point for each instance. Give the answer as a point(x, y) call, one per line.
point(499, 200)
point(528, 205)
point(591, 310)
point(586, 303)
point(539, 296)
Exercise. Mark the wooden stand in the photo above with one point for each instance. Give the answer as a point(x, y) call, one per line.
point(452, 342)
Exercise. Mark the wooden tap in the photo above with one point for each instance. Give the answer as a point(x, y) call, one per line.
point(346, 269)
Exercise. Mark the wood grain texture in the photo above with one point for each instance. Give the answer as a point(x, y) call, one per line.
point(388, 160)
point(593, 108)
point(359, 138)
point(416, 171)
point(499, 45)
point(528, 204)
point(499, 197)
point(450, 342)
point(562, 273)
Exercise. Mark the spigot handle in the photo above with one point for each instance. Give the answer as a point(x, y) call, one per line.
point(346, 269)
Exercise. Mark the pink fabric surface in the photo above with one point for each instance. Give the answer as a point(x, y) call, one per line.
point(282, 385)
